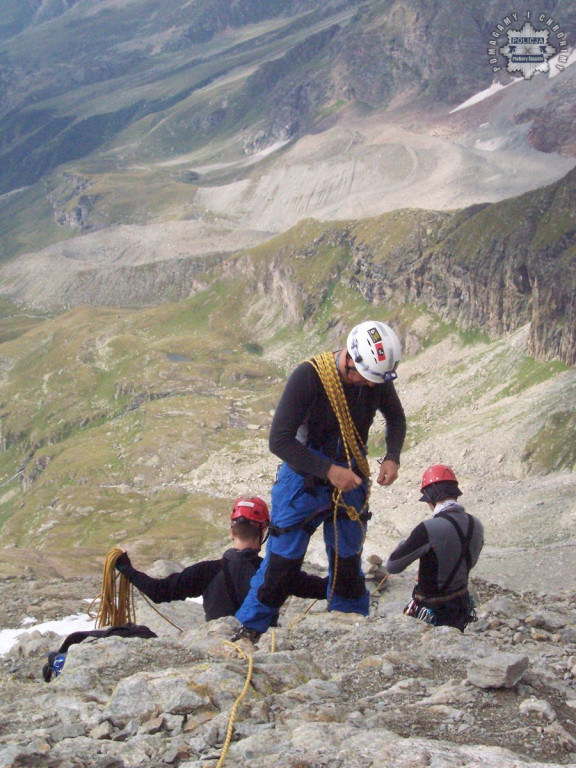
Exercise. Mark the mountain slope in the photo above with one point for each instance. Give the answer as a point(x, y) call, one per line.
point(139, 426)
point(137, 113)
point(493, 268)
point(164, 145)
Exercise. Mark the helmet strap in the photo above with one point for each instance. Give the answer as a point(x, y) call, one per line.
point(347, 367)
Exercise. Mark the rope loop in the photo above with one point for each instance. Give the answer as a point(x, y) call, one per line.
point(327, 370)
point(325, 366)
point(116, 601)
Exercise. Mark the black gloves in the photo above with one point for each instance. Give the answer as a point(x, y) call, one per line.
point(123, 563)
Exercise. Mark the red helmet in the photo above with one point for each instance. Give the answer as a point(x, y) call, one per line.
point(437, 473)
point(253, 509)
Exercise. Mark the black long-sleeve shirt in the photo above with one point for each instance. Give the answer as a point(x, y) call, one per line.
point(305, 419)
point(207, 579)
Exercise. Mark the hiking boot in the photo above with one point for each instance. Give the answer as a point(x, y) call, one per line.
point(245, 633)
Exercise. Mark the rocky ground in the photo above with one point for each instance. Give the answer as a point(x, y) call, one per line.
point(327, 689)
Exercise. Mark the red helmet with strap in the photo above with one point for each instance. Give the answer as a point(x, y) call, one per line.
point(437, 473)
point(252, 509)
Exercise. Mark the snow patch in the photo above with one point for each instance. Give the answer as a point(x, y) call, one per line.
point(485, 94)
point(491, 145)
point(75, 623)
point(554, 70)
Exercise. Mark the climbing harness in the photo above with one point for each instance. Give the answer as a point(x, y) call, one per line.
point(419, 611)
point(427, 613)
point(439, 599)
point(465, 544)
point(311, 522)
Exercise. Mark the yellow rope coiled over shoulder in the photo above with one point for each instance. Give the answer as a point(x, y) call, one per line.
point(327, 370)
point(325, 367)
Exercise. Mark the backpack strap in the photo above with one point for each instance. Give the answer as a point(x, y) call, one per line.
point(125, 630)
point(236, 602)
point(465, 552)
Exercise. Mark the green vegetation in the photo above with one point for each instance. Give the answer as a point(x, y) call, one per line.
point(131, 425)
point(253, 348)
point(553, 448)
point(14, 320)
point(532, 372)
point(165, 85)
point(103, 414)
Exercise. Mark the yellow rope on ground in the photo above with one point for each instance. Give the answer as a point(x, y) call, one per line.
point(160, 613)
point(238, 701)
point(300, 616)
point(326, 368)
point(116, 596)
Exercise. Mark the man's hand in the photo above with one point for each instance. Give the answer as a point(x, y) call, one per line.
point(388, 472)
point(123, 563)
point(343, 478)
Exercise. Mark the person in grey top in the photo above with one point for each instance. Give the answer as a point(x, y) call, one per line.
point(448, 546)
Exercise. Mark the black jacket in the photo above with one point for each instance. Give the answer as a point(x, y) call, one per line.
point(222, 596)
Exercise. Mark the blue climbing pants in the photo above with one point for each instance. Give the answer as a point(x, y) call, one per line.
point(292, 504)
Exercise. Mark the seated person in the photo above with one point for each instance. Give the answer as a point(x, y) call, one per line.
point(223, 584)
point(448, 546)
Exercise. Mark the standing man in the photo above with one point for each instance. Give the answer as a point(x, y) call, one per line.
point(320, 430)
point(448, 546)
point(224, 583)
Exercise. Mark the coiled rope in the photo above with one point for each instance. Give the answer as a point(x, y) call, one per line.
point(325, 367)
point(116, 606)
point(327, 370)
point(116, 599)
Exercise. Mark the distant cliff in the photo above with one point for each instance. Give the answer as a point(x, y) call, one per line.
point(497, 268)
point(492, 268)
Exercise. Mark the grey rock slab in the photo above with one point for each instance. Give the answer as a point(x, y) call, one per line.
point(500, 670)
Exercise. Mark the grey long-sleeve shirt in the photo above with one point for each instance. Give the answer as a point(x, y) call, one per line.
point(437, 545)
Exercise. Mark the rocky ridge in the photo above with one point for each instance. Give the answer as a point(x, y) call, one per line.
point(467, 266)
point(337, 690)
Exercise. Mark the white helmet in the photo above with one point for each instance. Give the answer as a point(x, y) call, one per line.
point(375, 350)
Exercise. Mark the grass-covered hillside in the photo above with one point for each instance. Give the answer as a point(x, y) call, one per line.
point(106, 413)
point(140, 427)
